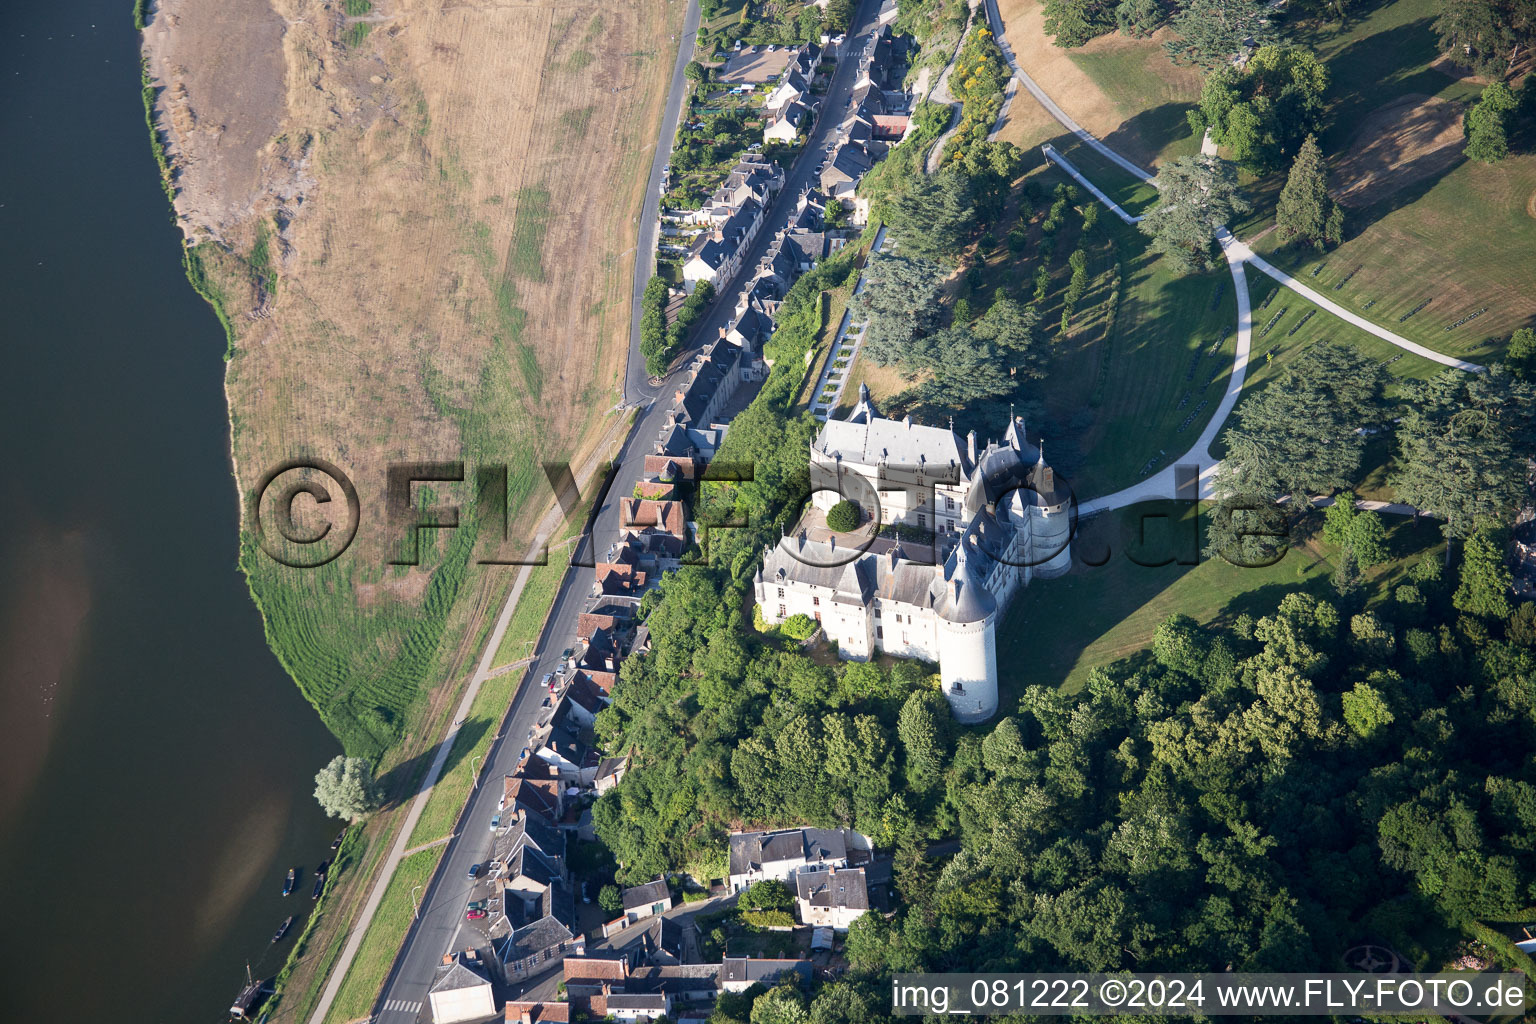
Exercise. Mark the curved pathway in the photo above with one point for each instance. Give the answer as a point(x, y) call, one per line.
point(1244, 253)
point(941, 94)
point(1163, 484)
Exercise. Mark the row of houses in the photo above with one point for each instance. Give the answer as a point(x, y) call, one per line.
point(878, 117)
point(615, 989)
point(730, 219)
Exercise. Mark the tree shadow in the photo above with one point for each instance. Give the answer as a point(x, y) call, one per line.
point(402, 782)
point(1358, 218)
point(1142, 137)
point(1376, 70)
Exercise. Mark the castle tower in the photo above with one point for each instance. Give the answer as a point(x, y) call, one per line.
point(1052, 522)
point(967, 615)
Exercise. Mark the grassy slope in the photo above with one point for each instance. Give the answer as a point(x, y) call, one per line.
point(382, 940)
point(1057, 630)
point(1147, 89)
point(1465, 239)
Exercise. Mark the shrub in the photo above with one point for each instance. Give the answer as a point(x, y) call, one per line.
point(844, 516)
point(767, 894)
point(798, 626)
point(767, 918)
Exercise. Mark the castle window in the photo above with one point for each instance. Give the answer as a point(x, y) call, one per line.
point(949, 502)
point(922, 522)
point(816, 600)
point(781, 593)
point(782, 612)
point(879, 633)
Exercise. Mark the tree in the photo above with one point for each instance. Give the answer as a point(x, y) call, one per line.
point(1264, 113)
point(965, 370)
point(694, 71)
point(838, 17)
point(1139, 18)
point(1487, 133)
point(611, 899)
point(1074, 22)
point(1368, 539)
point(1485, 582)
point(1212, 32)
point(1197, 196)
point(1521, 358)
point(934, 216)
point(1461, 446)
point(902, 302)
point(844, 516)
point(1015, 329)
point(1306, 212)
point(923, 729)
point(1297, 437)
point(782, 1004)
point(1366, 711)
point(1486, 35)
point(345, 788)
point(767, 894)
point(809, 23)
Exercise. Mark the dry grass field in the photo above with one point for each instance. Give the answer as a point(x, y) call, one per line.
point(1125, 91)
point(423, 239)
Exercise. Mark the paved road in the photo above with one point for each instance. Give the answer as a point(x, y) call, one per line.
point(636, 385)
point(802, 173)
point(442, 904)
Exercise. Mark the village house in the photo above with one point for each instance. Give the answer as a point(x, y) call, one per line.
point(642, 901)
point(461, 990)
point(833, 898)
point(523, 1012)
point(610, 772)
point(783, 854)
point(739, 973)
point(787, 124)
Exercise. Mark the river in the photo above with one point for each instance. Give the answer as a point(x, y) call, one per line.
point(156, 764)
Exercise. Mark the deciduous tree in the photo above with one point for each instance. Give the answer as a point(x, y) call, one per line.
point(1487, 133)
point(345, 788)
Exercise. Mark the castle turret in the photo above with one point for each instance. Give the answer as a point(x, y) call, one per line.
point(1052, 522)
point(967, 614)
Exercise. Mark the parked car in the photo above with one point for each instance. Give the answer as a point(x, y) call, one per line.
point(495, 822)
point(565, 655)
point(549, 680)
point(474, 872)
point(561, 670)
point(525, 753)
point(475, 915)
point(478, 904)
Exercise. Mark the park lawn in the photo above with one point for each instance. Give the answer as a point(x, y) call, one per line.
point(1378, 58)
point(382, 942)
point(1467, 243)
point(1056, 631)
point(1149, 91)
point(1464, 237)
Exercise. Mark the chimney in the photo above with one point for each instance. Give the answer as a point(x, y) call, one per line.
point(907, 421)
point(970, 446)
point(447, 959)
